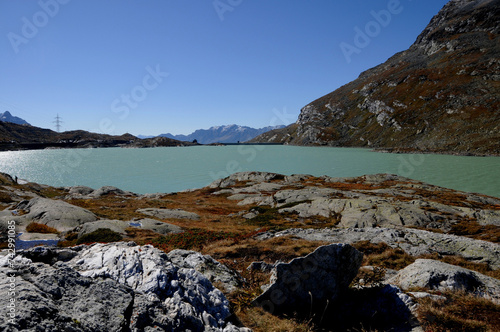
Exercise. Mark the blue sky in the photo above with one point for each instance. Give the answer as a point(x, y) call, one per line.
point(158, 66)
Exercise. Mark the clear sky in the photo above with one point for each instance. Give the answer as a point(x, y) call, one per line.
point(157, 66)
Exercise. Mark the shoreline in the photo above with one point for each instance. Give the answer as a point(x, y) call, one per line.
point(64, 146)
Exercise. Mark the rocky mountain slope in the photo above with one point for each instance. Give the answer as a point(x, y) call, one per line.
point(223, 134)
point(7, 117)
point(244, 228)
point(440, 95)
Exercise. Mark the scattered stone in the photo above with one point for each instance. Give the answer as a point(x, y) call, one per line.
point(169, 213)
point(311, 281)
point(436, 275)
point(413, 241)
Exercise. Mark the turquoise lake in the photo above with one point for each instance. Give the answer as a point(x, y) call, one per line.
point(174, 169)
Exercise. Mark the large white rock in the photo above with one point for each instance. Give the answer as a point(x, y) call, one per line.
point(432, 274)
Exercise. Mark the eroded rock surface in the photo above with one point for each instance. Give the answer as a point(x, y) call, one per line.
point(431, 274)
point(111, 287)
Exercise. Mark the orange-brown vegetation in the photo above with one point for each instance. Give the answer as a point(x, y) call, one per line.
point(40, 228)
point(459, 312)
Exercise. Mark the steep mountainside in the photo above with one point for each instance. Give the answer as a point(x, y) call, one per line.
point(7, 117)
point(222, 134)
point(440, 95)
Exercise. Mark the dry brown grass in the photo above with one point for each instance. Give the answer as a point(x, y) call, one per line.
point(460, 261)
point(459, 312)
point(382, 255)
point(272, 250)
point(40, 228)
point(212, 209)
point(261, 321)
point(473, 229)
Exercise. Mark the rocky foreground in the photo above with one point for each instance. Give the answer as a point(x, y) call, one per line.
point(255, 250)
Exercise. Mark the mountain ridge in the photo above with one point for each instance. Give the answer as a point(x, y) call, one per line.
point(440, 95)
point(222, 134)
point(26, 137)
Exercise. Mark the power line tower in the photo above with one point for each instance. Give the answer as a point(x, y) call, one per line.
point(58, 123)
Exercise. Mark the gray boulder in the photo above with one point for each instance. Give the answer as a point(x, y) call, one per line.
point(110, 190)
point(169, 213)
point(441, 276)
point(216, 272)
point(120, 226)
point(311, 281)
point(254, 177)
point(110, 287)
point(80, 191)
point(53, 213)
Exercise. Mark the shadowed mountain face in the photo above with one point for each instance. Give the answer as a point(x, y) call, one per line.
point(440, 95)
point(22, 137)
point(7, 117)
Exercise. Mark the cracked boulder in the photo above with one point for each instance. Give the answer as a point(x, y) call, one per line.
point(109, 287)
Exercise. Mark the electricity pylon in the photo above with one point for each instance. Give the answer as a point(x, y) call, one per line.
point(58, 123)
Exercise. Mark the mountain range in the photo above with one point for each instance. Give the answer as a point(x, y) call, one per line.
point(440, 95)
point(7, 117)
point(222, 134)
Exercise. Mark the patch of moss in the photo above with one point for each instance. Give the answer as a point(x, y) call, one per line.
point(102, 235)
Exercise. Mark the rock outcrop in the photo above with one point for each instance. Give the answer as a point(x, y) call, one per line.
point(380, 200)
point(53, 213)
point(120, 226)
point(214, 271)
point(111, 287)
point(413, 241)
point(436, 275)
point(169, 213)
point(440, 95)
point(311, 281)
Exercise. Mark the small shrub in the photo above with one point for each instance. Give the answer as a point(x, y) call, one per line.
point(40, 228)
point(197, 239)
point(5, 197)
point(382, 255)
point(103, 235)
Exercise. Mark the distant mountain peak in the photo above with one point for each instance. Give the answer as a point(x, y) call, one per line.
point(232, 133)
point(8, 117)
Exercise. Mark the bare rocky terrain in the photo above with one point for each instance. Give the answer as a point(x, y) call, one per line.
point(249, 250)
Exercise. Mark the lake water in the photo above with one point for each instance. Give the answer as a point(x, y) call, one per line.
point(173, 169)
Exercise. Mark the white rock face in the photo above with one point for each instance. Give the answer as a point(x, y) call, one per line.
point(112, 287)
point(433, 274)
